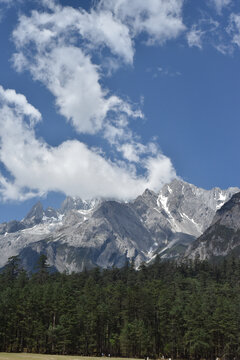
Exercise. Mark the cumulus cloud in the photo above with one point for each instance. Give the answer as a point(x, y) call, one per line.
point(160, 20)
point(133, 150)
point(71, 167)
point(65, 70)
point(21, 105)
point(74, 81)
point(67, 23)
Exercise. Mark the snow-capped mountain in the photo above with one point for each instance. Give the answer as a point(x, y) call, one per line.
point(106, 233)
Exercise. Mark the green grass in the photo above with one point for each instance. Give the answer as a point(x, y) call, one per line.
point(24, 356)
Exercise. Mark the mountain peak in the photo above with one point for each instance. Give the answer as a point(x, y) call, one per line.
point(36, 212)
point(148, 193)
point(75, 203)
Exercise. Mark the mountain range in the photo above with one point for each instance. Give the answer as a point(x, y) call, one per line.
point(180, 220)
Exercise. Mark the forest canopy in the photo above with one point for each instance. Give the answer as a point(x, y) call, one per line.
point(178, 310)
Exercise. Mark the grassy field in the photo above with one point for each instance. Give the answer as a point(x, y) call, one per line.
point(23, 356)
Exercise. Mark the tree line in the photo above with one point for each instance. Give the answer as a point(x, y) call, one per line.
point(188, 310)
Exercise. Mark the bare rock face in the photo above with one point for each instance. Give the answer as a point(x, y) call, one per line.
point(76, 204)
point(222, 237)
point(83, 234)
point(191, 207)
point(229, 214)
point(178, 214)
point(51, 213)
point(34, 216)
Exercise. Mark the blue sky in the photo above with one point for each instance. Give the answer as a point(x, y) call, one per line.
point(106, 98)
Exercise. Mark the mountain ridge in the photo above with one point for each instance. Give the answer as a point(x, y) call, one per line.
point(107, 233)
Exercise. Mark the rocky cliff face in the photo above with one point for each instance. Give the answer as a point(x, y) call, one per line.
point(222, 237)
point(106, 233)
point(179, 214)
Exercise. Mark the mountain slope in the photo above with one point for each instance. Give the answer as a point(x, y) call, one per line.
point(222, 238)
point(179, 214)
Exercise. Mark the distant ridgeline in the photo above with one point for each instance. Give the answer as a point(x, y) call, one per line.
point(178, 310)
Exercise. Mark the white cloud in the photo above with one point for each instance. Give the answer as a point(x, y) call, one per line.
point(127, 143)
point(160, 20)
point(206, 30)
point(71, 168)
point(220, 4)
point(57, 46)
point(66, 70)
point(194, 37)
point(21, 105)
point(66, 23)
point(225, 49)
point(104, 28)
point(133, 150)
point(158, 172)
point(162, 71)
point(74, 81)
point(234, 28)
